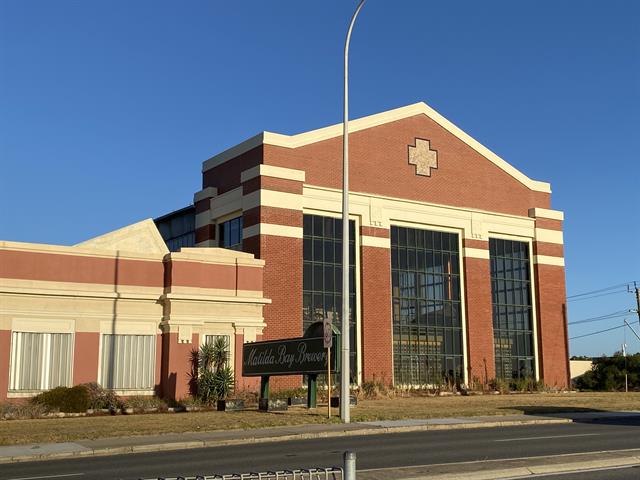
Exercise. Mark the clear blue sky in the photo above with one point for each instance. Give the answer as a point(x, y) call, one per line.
point(108, 108)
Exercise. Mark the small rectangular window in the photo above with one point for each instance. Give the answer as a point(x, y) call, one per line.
point(230, 233)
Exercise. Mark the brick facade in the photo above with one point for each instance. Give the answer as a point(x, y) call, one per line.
point(471, 192)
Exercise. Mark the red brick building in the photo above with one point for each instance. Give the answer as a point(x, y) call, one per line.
point(457, 258)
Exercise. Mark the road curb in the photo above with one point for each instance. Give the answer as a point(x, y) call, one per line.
point(511, 468)
point(158, 447)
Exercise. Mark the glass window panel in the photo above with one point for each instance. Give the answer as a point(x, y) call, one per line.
point(513, 337)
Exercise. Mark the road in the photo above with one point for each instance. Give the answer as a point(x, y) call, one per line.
point(373, 452)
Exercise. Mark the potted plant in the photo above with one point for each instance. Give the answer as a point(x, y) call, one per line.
point(215, 377)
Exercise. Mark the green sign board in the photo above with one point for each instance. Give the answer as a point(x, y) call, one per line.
point(293, 356)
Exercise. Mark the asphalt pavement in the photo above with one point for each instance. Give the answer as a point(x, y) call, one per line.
point(418, 454)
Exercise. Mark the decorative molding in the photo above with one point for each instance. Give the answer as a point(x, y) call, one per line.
point(43, 325)
point(423, 157)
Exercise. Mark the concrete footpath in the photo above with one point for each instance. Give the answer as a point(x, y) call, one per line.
point(154, 443)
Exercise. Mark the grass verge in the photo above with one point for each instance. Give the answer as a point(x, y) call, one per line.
point(16, 432)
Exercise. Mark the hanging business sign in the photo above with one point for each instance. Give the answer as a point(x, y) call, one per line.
point(293, 356)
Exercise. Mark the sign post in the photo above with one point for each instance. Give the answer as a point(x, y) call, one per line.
point(328, 340)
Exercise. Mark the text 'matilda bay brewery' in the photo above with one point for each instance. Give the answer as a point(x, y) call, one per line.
point(456, 257)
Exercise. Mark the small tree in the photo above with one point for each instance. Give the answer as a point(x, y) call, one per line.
point(215, 377)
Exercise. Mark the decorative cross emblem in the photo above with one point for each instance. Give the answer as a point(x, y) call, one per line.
point(423, 157)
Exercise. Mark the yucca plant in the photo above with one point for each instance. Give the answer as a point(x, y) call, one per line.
point(215, 377)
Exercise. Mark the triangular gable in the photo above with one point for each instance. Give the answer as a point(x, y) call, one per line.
point(141, 237)
point(313, 136)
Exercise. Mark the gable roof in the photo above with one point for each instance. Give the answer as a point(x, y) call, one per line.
point(313, 136)
point(142, 237)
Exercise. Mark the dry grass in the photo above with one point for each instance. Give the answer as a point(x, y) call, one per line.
point(459, 406)
point(13, 432)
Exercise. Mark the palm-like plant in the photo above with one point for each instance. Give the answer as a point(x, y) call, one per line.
point(215, 377)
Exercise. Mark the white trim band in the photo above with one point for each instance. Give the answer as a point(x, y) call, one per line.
point(546, 213)
point(547, 260)
point(272, 198)
point(476, 253)
point(380, 242)
point(272, 171)
point(549, 236)
point(272, 229)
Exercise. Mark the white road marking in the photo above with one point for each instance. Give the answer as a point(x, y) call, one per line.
point(49, 476)
point(545, 438)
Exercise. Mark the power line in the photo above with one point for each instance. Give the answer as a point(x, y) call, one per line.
point(599, 331)
point(597, 295)
point(613, 287)
point(607, 316)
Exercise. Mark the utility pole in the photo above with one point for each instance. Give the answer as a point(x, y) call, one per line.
point(637, 300)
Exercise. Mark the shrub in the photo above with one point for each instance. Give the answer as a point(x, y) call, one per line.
point(19, 411)
point(608, 373)
point(101, 398)
point(288, 392)
point(373, 389)
point(144, 402)
point(65, 399)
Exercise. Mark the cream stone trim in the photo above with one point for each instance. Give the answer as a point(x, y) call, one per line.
point(272, 198)
point(42, 325)
point(199, 293)
point(205, 194)
point(272, 171)
point(547, 260)
point(546, 213)
point(380, 242)
point(79, 251)
point(120, 327)
point(549, 236)
point(476, 253)
point(48, 287)
point(271, 229)
point(216, 256)
point(226, 203)
point(203, 218)
point(214, 298)
point(420, 108)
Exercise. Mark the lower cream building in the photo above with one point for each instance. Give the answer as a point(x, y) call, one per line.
point(121, 310)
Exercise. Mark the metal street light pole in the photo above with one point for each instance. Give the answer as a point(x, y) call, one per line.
point(345, 368)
